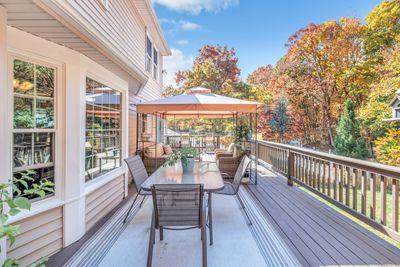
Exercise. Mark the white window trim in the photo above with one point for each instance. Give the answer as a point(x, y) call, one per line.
point(59, 148)
point(153, 47)
point(103, 179)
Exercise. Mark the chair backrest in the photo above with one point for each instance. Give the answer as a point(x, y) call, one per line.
point(240, 172)
point(137, 170)
point(178, 205)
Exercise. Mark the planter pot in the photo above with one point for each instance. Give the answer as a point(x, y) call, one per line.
point(248, 136)
point(189, 167)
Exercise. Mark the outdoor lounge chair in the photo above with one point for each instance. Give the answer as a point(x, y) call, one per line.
point(139, 175)
point(178, 207)
point(232, 188)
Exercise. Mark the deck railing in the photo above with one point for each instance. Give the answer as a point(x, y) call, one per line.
point(202, 142)
point(366, 189)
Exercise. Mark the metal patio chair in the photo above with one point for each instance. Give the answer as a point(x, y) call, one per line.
point(178, 207)
point(139, 175)
point(232, 188)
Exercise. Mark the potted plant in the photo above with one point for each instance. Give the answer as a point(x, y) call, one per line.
point(184, 155)
point(243, 132)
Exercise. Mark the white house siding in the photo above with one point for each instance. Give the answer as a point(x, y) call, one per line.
point(120, 23)
point(101, 201)
point(39, 236)
point(77, 205)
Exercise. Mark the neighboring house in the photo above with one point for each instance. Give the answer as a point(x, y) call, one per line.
point(395, 104)
point(71, 72)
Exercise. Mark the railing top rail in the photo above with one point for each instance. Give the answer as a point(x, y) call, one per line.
point(374, 167)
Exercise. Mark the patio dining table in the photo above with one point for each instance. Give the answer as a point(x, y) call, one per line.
point(206, 173)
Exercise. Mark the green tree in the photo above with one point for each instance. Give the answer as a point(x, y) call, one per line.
point(348, 141)
point(279, 118)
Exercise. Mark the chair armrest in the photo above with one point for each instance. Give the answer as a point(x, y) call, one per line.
point(227, 160)
point(219, 155)
point(225, 174)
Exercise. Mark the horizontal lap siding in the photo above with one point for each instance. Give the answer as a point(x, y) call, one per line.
point(103, 200)
point(120, 24)
point(39, 236)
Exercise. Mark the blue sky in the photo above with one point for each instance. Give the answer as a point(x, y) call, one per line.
point(258, 30)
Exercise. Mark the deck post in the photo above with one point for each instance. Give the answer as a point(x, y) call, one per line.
point(289, 167)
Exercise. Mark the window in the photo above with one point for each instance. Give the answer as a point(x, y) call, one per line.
point(155, 64)
point(103, 129)
point(397, 112)
point(149, 49)
point(151, 59)
point(33, 122)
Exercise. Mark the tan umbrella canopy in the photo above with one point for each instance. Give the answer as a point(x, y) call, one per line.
point(198, 102)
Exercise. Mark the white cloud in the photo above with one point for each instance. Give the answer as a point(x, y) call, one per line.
point(197, 6)
point(173, 63)
point(182, 42)
point(182, 25)
point(188, 26)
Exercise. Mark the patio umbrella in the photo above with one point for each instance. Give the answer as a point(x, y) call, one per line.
point(198, 102)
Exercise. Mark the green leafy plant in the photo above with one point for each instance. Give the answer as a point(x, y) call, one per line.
point(13, 200)
point(242, 131)
point(183, 155)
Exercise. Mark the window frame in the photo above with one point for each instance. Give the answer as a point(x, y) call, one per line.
point(57, 146)
point(114, 87)
point(148, 58)
point(152, 67)
point(397, 113)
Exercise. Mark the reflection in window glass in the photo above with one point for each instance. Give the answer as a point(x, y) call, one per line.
point(23, 113)
point(22, 149)
point(43, 143)
point(44, 113)
point(44, 81)
point(24, 77)
point(33, 148)
point(103, 120)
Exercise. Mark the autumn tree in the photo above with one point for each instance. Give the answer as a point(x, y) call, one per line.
point(387, 148)
point(382, 29)
point(172, 91)
point(376, 107)
point(348, 141)
point(323, 64)
point(215, 68)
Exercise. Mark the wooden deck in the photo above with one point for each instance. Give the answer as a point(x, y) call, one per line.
point(317, 234)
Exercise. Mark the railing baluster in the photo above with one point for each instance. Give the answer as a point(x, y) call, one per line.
point(395, 204)
point(341, 183)
point(348, 183)
point(372, 204)
point(329, 179)
point(323, 176)
point(364, 192)
point(355, 188)
point(383, 186)
point(335, 183)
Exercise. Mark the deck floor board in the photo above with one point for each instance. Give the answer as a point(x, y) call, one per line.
point(316, 233)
